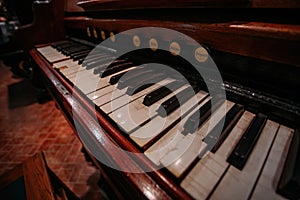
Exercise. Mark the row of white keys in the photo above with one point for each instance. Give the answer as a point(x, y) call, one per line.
point(237, 183)
point(158, 124)
point(208, 171)
point(269, 178)
point(135, 102)
point(91, 83)
point(108, 92)
point(178, 160)
point(169, 142)
point(52, 54)
point(129, 111)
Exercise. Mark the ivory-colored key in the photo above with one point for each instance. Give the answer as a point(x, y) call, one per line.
point(208, 171)
point(238, 184)
point(52, 54)
point(65, 64)
point(269, 178)
point(193, 145)
point(147, 132)
point(169, 141)
point(108, 97)
point(102, 91)
point(70, 72)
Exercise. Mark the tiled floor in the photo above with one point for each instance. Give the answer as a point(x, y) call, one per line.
point(36, 127)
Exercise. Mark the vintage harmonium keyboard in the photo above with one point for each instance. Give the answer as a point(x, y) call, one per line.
point(256, 155)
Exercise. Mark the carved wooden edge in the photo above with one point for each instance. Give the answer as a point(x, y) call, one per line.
point(273, 42)
point(36, 178)
point(155, 182)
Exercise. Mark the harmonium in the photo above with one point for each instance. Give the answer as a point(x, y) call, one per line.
point(190, 99)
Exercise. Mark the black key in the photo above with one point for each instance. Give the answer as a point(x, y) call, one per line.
point(131, 91)
point(241, 152)
point(215, 138)
point(92, 57)
point(106, 66)
point(133, 76)
point(64, 46)
point(80, 56)
point(161, 92)
point(99, 61)
point(197, 118)
point(68, 47)
point(114, 79)
point(289, 184)
point(79, 51)
point(144, 83)
point(117, 68)
point(74, 50)
point(84, 52)
point(172, 103)
point(56, 44)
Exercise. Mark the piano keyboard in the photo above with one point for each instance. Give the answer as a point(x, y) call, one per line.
point(252, 158)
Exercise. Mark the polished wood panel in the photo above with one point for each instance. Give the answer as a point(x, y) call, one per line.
point(268, 41)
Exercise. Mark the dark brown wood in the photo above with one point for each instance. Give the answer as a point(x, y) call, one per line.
point(36, 179)
point(47, 25)
point(276, 4)
point(71, 6)
point(37, 182)
point(273, 42)
point(96, 5)
point(150, 185)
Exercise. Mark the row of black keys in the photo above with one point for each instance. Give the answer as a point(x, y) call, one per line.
point(134, 80)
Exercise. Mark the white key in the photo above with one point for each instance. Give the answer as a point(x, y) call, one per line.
point(169, 141)
point(69, 72)
point(108, 97)
point(102, 91)
point(51, 54)
point(193, 144)
point(147, 132)
point(65, 64)
point(238, 184)
point(208, 171)
point(128, 117)
point(269, 178)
